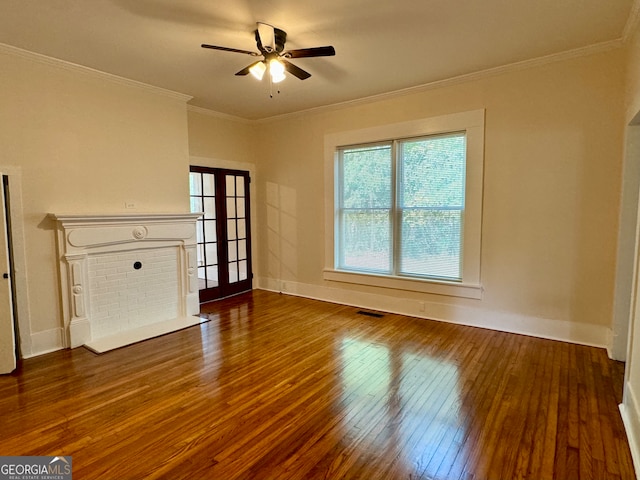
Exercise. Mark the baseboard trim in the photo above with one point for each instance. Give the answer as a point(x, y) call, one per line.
point(583, 334)
point(631, 421)
point(551, 329)
point(46, 341)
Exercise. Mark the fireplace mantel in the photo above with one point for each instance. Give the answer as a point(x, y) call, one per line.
point(99, 250)
point(100, 231)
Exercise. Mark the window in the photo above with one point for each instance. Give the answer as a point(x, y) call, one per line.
point(405, 205)
point(401, 207)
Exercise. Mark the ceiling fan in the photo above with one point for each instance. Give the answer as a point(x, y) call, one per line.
point(270, 42)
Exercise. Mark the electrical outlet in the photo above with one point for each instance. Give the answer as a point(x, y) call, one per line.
point(129, 205)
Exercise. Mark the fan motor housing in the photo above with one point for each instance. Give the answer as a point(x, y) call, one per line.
point(280, 37)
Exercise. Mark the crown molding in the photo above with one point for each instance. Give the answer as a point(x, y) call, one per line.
point(223, 116)
point(74, 67)
point(468, 77)
point(633, 21)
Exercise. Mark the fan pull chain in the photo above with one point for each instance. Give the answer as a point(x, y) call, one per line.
point(271, 87)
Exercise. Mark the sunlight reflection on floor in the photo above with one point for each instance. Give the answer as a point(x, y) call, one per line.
point(419, 397)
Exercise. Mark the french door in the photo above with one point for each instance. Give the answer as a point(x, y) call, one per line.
point(223, 232)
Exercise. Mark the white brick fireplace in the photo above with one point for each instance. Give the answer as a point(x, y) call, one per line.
point(125, 278)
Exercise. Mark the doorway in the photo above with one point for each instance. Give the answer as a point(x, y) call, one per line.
point(223, 232)
point(627, 238)
point(8, 349)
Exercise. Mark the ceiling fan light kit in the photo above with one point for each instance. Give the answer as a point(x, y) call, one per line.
point(257, 70)
point(276, 70)
point(270, 42)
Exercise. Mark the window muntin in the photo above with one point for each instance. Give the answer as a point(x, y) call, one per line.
point(401, 207)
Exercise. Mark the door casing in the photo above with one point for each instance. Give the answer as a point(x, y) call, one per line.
point(8, 352)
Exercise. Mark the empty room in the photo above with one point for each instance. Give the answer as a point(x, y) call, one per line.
point(336, 240)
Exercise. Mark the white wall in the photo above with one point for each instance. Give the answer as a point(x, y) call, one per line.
point(553, 150)
point(83, 143)
point(221, 141)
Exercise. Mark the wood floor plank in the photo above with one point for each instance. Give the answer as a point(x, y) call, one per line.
point(286, 388)
point(561, 459)
point(540, 414)
point(526, 403)
point(471, 392)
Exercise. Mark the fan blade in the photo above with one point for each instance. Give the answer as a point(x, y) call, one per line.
point(267, 36)
point(227, 49)
point(327, 51)
point(295, 71)
point(246, 70)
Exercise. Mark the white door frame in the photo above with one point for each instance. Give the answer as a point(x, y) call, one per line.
point(627, 239)
point(21, 299)
point(8, 357)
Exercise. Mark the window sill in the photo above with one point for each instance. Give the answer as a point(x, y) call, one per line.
point(453, 289)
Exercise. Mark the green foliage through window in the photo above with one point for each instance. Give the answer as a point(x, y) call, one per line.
point(401, 207)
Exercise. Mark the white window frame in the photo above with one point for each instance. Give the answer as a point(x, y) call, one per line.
point(472, 123)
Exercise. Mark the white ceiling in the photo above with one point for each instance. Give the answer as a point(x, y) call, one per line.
point(381, 45)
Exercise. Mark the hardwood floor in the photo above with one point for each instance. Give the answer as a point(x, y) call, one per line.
point(279, 387)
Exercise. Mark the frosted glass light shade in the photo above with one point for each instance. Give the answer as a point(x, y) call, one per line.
point(276, 69)
point(258, 70)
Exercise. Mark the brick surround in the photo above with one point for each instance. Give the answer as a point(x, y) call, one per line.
point(123, 297)
point(121, 272)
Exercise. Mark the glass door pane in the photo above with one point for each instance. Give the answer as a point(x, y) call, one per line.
point(203, 200)
point(236, 228)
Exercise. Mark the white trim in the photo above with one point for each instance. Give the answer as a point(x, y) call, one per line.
point(80, 237)
point(627, 246)
point(19, 259)
point(452, 289)
point(467, 77)
point(632, 22)
point(472, 122)
point(631, 419)
point(474, 316)
point(119, 219)
point(74, 67)
point(474, 76)
point(46, 341)
point(223, 116)
point(629, 408)
point(226, 164)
